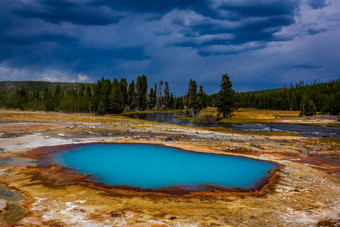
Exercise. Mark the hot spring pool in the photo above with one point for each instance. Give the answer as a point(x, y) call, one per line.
point(154, 166)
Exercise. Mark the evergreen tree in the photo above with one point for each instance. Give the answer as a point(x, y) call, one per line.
point(69, 102)
point(152, 99)
point(166, 94)
point(2, 100)
point(156, 96)
point(84, 98)
point(310, 108)
point(325, 97)
point(88, 100)
point(191, 98)
point(36, 100)
point(96, 95)
point(123, 86)
point(105, 91)
point(132, 95)
point(226, 97)
point(179, 103)
point(201, 102)
point(101, 108)
point(293, 98)
point(23, 98)
point(116, 98)
point(141, 92)
point(48, 100)
point(336, 104)
point(171, 103)
point(160, 94)
point(57, 97)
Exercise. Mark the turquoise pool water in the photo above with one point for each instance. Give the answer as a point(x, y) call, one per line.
point(153, 166)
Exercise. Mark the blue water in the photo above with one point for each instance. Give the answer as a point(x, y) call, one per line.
point(152, 166)
point(304, 130)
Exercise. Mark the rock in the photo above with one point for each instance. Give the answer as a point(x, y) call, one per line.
point(169, 138)
point(117, 213)
point(3, 204)
point(301, 149)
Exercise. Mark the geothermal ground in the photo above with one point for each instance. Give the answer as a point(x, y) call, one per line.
point(305, 191)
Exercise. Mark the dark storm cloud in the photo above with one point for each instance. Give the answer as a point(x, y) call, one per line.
point(57, 11)
point(249, 8)
point(317, 4)
point(63, 50)
point(314, 31)
point(307, 66)
point(29, 40)
point(170, 39)
point(157, 7)
point(253, 22)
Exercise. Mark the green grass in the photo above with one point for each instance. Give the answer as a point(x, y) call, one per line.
point(246, 116)
point(184, 118)
point(151, 111)
point(337, 125)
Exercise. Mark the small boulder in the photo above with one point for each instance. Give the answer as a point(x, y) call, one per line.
point(117, 213)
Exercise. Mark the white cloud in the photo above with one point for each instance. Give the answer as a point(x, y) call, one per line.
point(51, 77)
point(82, 78)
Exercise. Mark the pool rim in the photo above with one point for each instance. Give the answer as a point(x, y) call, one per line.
point(43, 153)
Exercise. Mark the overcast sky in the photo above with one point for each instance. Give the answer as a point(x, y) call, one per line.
point(259, 43)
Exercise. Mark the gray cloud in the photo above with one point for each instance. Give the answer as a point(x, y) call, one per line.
point(317, 4)
point(253, 41)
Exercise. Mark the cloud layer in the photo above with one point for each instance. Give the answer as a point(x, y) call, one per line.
point(261, 43)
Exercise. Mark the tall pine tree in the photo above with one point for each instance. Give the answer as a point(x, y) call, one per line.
point(131, 100)
point(141, 92)
point(116, 98)
point(226, 97)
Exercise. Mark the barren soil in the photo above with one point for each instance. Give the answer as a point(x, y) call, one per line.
point(307, 190)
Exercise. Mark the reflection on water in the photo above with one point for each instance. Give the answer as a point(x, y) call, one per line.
point(304, 130)
point(162, 117)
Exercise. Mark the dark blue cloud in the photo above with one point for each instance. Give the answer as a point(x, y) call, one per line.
point(251, 21)
point(55, 11)
point(175, 39)
point(248, 8)
point(29, 40)
point(158, 7)
point(307, 66)
point(317, 4)
point(314, 31)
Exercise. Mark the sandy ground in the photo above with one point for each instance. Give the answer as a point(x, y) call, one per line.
point(307, 191)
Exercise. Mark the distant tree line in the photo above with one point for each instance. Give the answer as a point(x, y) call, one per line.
point(309, 99)
point(115, 96)
point(106, 96)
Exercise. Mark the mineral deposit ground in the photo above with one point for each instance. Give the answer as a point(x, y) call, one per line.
point(304, 191)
